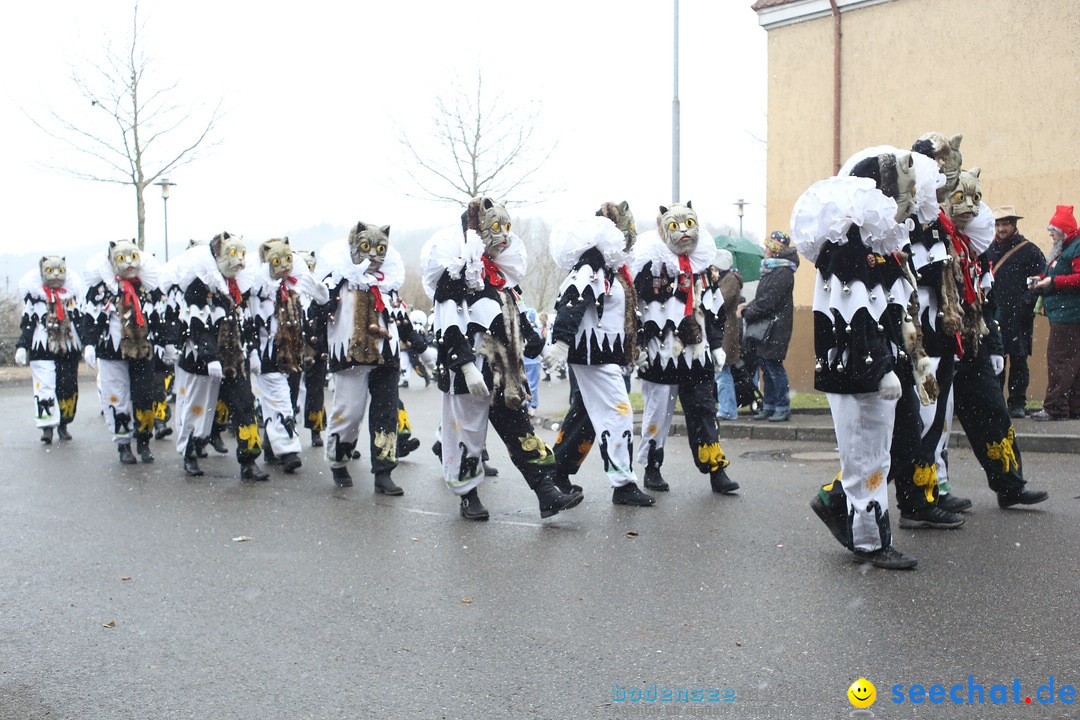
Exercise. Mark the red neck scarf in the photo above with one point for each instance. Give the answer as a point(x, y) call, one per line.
point(377, 293)
point(234, 290)
point(684, 269)
point(962, 246)
point(53, 296)
point(283, 289)
point(626, 275)
point(132, 298)
point(492, 272)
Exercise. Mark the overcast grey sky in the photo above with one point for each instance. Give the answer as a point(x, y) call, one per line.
point(312, 92)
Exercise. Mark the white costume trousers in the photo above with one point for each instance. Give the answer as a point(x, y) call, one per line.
point(603, 391)
point(864, 428)
point(43, 373)
point(196, 403)
point(463, 433)
point(656, 416)
point(347, 410)
point(114, 391)
point(277, 411)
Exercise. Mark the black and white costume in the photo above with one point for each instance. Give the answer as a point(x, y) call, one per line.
point(49, 342)
point(213, 363)
point(670, 290)
point(281, 327)
point(122, 324)
point(595, 328)
point(363, 346)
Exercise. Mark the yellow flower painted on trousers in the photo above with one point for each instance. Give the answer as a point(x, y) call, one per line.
point(926, 478)
point(249, 434)
point(623, 408)
point(712, 456)
point(1004, 452)
point(874, 481)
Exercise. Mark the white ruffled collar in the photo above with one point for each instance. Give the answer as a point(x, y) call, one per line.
point(199, 262)
point(570, 239)
point(30, 284)
point(650, 247)
point(335, 261)
point(928, 178)
point(827, 209)
point(448, 251)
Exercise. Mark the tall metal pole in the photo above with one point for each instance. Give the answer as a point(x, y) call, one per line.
point(165, 200)
point(675, 117)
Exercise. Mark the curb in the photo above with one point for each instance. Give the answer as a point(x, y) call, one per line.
point(1064, 444)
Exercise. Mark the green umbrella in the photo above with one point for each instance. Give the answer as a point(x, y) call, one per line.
point(746, 256)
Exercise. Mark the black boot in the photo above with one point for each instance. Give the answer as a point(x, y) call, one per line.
point(342, 478)
point(200, 447)
point(142, 446)
point(406, 445)
point(721, 483)
point(653, 479)
point(217, 443)
point(835, 519)
point(46, 435)
point(552, 500)
point(489, 470)
point(562, 481)
point(629, 494)
point(268, 454)
point(386, 486)
point(250, 470)
point(472, 508)
point(161, 430)
point(437, 449)
point(126, 456)
point(290, 462)
point(191, 463)
point(62, 432)
point(316, 439)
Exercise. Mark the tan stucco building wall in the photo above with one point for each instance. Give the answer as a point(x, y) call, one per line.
point(1004, 73)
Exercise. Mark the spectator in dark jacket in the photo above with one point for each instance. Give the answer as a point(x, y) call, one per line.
point(1060, 288)
point(1013, 259)
point(768, 324)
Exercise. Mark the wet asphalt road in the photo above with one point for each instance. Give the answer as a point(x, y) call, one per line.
point(343, 604)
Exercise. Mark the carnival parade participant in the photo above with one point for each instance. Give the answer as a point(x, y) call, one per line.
point(482, 335)
point(49, 342)
point(682, 344)
point(594, 317)
point(121, 325)
point(280, 326)
point(220, 345)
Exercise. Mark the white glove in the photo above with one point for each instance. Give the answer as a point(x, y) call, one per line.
point(474, 380)
point(90, 356)
point(719, 358)
point(998, 363)
point(554, 355)
point(169, 355)
point(889, 388)
point(429, 357)
point(20, 356)
point(213, 369)
point(255, 363)
point(642, 361)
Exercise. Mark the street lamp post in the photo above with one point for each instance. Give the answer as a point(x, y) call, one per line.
point(165, 185)
point(739, 204)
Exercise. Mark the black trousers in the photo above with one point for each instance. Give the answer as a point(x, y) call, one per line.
point(67, 386)
point(981, 409)
point(238, 402)
point(315, 396)
point(914, 446)
point(576, 434)
point(1017, 375)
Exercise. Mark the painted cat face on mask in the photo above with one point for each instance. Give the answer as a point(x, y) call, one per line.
point(368, 242)
point(230, 254)
point(962, 205)
point(905, 186)
point(53, 271)
point(278, 256)
point(946, 151)
point(494, 227)
point(679, 228)
point(125, 259)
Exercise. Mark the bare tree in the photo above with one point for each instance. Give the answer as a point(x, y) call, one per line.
point(542, 281)
point(137, 144)
point(480, 144)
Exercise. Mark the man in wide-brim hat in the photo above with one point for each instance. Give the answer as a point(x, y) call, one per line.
point(1013, 260)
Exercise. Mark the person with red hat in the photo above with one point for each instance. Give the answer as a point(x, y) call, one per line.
point(1060, 288)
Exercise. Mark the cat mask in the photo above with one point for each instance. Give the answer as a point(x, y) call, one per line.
point(624, 220)
point(53, 271)
point(278, 256)
point(962, 205)
point(679, 228)
point(124, 259)
point(367, 242)
point(230, 254)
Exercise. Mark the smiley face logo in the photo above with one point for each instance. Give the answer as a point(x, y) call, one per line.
point(862, 693)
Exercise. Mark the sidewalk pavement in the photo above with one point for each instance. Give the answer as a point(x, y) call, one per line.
point(815, 425)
